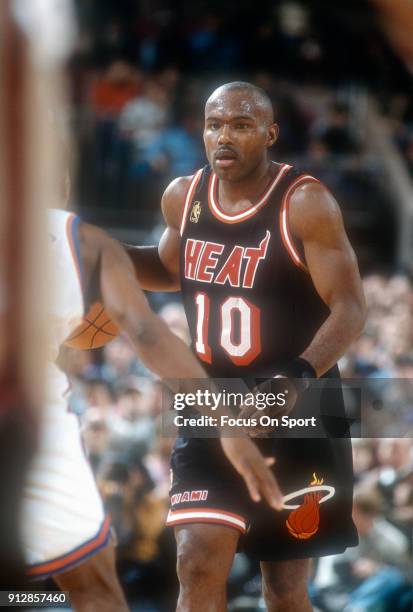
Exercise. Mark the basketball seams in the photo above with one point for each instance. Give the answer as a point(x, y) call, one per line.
point(91, 328)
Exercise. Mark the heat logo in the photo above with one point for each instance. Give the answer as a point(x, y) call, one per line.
point(304, 520)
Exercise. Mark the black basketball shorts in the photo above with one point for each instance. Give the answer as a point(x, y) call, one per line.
point(316, 479)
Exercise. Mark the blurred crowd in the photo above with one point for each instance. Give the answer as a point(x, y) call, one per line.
point(399, 111)
point(141, 75)
point(120, 403)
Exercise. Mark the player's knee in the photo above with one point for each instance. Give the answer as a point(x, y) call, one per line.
point(280, 594)
point(195, 564)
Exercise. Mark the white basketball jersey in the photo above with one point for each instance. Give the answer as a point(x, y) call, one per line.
point(66, 306)
point(63, 520)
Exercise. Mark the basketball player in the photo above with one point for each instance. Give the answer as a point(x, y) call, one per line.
point(261, 248)
point(66, 533)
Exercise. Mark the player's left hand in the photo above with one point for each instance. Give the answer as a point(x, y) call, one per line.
point(255, 470)
point(273, 409)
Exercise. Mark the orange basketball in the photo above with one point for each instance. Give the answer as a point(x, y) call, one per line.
point(95, 331)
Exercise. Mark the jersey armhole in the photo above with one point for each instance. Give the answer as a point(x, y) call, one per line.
point(188, 198)
point(286, 234)
point(72, 232)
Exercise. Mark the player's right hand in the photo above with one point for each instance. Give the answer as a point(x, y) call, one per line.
point(255, 470)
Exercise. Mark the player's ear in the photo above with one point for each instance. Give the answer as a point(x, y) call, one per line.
point(272, 136)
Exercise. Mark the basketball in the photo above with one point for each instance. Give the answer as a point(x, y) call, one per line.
point(96, 330)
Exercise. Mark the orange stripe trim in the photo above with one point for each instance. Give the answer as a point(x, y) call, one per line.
point(284, 216)
point(57, 564)
point(188, 198)
point(248, 212)
point(69, 234)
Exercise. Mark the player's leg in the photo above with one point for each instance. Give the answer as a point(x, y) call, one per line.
point(94, 584)
point(204, 558)
point(65, 532)
point(284, 585)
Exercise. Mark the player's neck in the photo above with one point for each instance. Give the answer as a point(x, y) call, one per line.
point(246, 191)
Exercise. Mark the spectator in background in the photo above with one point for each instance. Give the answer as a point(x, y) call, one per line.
point(373, 576)
point(108, 95)
point(141, 122)
point(99, 393)
point(122, 368)
point(178, 150)
point(333, 132)
point(145, 550)
point(132, 425)
point(386, 343)
point(96, 437)
point(297, 42)
point(395, 480)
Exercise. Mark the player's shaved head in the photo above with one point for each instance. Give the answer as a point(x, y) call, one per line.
point(251, 98)
point(239, 129)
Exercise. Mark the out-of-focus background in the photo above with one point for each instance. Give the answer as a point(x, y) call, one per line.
point(340, 77)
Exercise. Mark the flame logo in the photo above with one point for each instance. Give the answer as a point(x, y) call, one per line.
point(303, 522)
point(315, 480)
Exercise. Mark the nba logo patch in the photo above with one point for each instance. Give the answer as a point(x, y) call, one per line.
point(195, 212)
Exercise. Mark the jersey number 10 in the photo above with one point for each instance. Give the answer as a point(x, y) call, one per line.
point(239, 333)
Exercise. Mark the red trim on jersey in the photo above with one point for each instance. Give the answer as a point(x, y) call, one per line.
point(188, 198)
point(284, 216)
point(207, 515)
point(226, 217)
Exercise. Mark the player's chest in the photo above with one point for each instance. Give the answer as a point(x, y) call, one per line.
point(243, 260)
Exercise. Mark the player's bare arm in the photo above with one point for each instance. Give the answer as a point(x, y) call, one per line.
point(315, 219)
point(157, 267)
point(161, 351)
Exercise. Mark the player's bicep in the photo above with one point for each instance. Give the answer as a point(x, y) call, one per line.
point(331, 262)
point(169, 250)
point(333, 269)
point(172, 209)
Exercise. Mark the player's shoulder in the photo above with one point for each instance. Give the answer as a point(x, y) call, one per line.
point(173, 199)
point(179, 185)
point(312, 207)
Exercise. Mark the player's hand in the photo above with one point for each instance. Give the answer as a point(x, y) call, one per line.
point(273, 410)
point(254, 468)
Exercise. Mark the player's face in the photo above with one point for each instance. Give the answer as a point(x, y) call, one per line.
point(237, 134)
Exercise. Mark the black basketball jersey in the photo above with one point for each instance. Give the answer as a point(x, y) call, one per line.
point(249, 299)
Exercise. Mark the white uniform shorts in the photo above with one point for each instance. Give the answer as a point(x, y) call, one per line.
point(63, 520)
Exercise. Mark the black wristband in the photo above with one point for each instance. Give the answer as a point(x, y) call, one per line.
point(298, 371)
point(301, 371)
